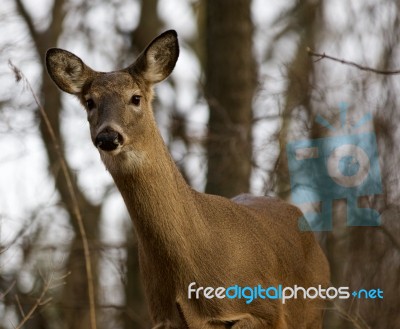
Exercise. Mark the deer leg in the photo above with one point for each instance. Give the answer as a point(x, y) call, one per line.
point(251, 323)
point(260, 315)
point(256, 323)
point(167, 325)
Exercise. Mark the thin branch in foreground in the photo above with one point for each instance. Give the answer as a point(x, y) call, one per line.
point(41, 301)
point(5, 293)
point(355, 318)
point(89, 273)
point(391, 237)
point(346, 62)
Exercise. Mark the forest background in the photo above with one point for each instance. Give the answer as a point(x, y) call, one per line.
point(243, 88)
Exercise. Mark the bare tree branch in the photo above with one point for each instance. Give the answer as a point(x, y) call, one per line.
point(391, 237)
point(346, 62)
point(41, 301)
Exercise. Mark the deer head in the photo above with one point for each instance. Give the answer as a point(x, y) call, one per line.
point(118, 103)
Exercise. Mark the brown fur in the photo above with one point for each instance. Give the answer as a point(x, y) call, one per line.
point(186, 236)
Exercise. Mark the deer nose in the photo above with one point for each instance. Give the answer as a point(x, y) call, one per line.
point(108, 140)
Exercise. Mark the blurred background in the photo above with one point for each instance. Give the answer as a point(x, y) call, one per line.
point(244, 86)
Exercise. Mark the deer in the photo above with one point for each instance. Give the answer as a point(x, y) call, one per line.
point(188, 239)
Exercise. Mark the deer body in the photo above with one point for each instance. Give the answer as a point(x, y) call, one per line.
point(185, 236)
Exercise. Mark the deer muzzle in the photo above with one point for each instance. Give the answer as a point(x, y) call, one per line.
point(108, 140)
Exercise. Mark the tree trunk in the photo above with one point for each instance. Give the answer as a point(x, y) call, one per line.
point(298, 92)
point(230, 85)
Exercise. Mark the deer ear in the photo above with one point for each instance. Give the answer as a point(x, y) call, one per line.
point(68, 71)
point(158, 60)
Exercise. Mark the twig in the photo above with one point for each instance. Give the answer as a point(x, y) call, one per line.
point(21, 310)
point(355, 319)
point(391, 237)
point(75, 206)
point(5, 293)
point(39, 302)
point(358, 66)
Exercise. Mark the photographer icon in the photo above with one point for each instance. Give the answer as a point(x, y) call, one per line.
point(338, 167)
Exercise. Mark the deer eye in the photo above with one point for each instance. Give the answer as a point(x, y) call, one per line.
point(135, 100)
point(90, 104)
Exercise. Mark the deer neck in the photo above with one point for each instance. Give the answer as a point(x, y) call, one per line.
point(158, 199)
